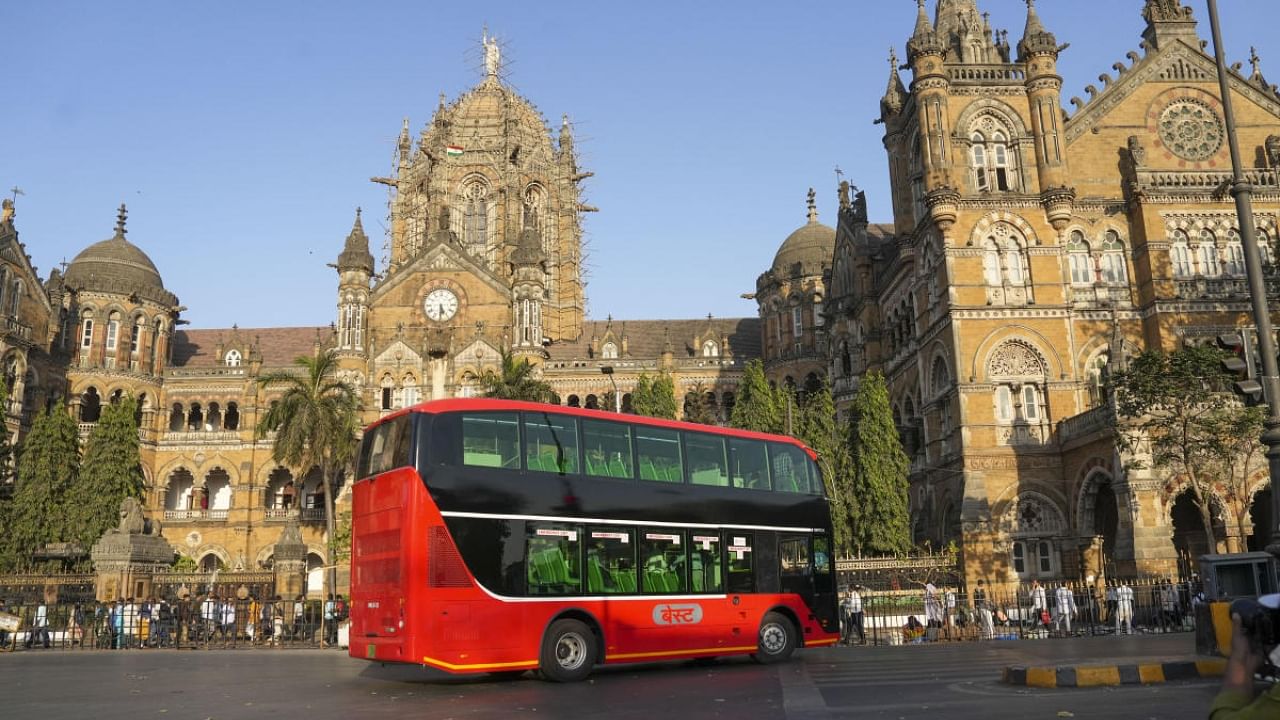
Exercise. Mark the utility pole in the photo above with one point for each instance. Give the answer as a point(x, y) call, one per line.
point(1243, 194)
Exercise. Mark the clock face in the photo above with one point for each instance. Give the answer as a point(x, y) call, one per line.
point(440, 304)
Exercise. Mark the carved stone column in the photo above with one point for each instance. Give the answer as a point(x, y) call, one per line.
point(290, 560)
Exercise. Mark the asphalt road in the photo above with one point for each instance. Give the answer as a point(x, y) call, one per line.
point(955, 681)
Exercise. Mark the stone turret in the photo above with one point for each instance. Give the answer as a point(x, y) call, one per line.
point(1038, 51)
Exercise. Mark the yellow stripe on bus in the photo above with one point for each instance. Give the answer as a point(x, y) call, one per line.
point(669, 653)
point(480, 666)
point(832, 641)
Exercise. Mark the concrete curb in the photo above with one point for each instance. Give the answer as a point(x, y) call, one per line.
point(1063, 676)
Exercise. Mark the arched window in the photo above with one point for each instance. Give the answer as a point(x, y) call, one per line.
point(15, 302)
point(135, 335)
point(86, 329)
point(388, 387)
point(1265, 250)
point(915, 171)
point(1078, 258)
point(231, 421)
point(1113, 265)
point(232, 358)
point(412, 395)
point(1015, 263)
point(1235, 253)
point(195, 418)
point(475, 214)
point(1180, 255)
point(991, 159)
point(113, 331)
point(978, 160)
point(939, 377)
point(1207, 254)
point(609, 351)
point(710, 349)
point(90, 405)
point(991, 262)
point(176, 418)
point(155, 344)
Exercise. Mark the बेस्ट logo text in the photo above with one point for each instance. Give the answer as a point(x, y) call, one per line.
point(677, 614)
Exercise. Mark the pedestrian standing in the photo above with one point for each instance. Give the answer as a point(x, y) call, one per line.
point(277, 621)
point(932, 606)
point(4, 634)
point(229, 620)
point(855, 613)
point(1064, 609)
point(330, 621)
point(210, 615)
point(1169, 604)
point(39, 627)
point(1124, 608)
point(117, 624)
point(983, 609)
point(162, 617)
point(299, 612)
point(949, 606)
point(1039, 604)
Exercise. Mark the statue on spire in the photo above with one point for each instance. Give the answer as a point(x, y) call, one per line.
point(492, 54)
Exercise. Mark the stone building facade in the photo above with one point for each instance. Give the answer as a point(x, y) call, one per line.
point(1033, 249)
point(484, 254)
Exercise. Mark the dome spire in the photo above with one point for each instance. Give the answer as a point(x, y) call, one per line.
point(1035, 39)
point(813, 207)
point(121, 216)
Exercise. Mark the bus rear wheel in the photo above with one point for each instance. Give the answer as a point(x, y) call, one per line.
point(568, 651)
point(777, 639)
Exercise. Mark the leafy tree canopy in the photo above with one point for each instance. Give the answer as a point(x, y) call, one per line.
point(877, 499)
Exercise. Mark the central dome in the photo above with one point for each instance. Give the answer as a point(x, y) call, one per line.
point(116, 265)
point(811, 245)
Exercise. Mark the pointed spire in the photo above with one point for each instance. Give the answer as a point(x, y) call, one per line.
point(1035, 39)
point(924, 41)
point(895, 95)
point(355, 251)
point(813, 206)
point(403, 142)
point(122, 215)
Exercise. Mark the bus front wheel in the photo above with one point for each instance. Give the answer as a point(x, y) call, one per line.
point(777, 639)
point(568, 651)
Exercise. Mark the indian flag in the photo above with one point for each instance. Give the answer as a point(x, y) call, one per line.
point(453, 150)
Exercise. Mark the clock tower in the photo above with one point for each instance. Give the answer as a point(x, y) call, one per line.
point(484, 249)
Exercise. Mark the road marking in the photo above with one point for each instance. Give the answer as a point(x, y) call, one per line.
point(801, 699)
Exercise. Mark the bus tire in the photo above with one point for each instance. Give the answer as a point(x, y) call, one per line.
point(568, 651)
point(776, 640)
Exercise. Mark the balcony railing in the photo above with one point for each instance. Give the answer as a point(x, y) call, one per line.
point(306, 515)
point(986, 73)
point(1202, 287)
point(13, 328)
point(194, 515)
point(1086, 423)
point(201, 436)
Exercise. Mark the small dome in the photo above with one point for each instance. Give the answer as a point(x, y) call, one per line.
point(811, 245)
point(118, 266)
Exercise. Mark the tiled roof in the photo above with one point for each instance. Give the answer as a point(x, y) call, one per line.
point(278, 346)
point(645, 338)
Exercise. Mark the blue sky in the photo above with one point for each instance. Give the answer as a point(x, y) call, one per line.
point(242, 134)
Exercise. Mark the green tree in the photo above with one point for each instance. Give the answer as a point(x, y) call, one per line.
point(110, 471)
point(877, 500)
point(654, 397)
point(819, 428)
point(664, 396)
point(642, 396)
point(316, 422)
point(757, 406)
point(697, 409)
point(48, 470)
point(1178, 409)
point(517, 380)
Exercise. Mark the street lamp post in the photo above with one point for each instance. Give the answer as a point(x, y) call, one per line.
point(617, 399)
point(1243, 194)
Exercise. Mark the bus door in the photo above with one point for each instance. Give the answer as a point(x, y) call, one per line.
point(795, 567)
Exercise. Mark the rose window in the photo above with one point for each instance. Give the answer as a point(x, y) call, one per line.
point(1191, 129)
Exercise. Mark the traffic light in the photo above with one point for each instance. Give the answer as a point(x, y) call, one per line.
point(1242, 362)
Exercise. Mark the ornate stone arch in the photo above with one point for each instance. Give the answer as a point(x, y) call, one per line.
point(1030, 514)
point(940, 376)
point(1028, 336)
point(1016, 358)
point(166, 471)
point(972, 115)
point(987, 224)
point(215, 549)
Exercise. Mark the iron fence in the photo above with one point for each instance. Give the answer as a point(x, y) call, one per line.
point(208, 621)
point(891, 615)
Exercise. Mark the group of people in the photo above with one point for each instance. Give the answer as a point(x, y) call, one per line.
point(1036, 608)
point(158, 623)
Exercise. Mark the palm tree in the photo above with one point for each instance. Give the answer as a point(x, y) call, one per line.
point(518, 380)
point(316, 421)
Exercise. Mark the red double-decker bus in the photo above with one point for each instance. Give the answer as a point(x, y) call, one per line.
point(499, 536)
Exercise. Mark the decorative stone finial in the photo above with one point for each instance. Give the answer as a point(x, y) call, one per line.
point(813, 206)
point(121, 216)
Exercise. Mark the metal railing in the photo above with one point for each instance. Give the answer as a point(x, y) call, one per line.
point(200, 622)
point(895, 616)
